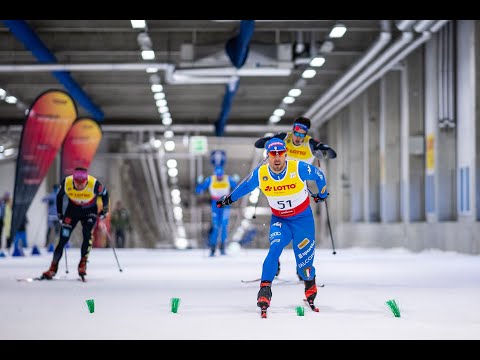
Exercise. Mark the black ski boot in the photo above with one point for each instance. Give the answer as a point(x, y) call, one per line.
point(311, 293)
point(264, 296)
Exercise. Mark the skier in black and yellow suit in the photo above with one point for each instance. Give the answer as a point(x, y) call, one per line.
point(82, 191)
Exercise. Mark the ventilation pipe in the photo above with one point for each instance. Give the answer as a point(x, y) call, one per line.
point(171, 76)
point(373, 51)
point(32, 42)
point(423, 25)
point(375, 66)
point(404, 25)
point(83, 67)
point(419, 41)
point(238, 46)
point(426, 35)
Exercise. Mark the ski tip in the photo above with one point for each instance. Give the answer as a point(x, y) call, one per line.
point(30, 279)
point(264, 314)
point(249, 281)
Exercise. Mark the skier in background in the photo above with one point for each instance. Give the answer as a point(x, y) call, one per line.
point(218, 185)
point(82, 191)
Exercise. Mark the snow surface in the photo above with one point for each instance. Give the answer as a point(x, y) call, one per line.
point(438, 294)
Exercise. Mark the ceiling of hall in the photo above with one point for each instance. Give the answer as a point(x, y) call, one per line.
point(124, 96)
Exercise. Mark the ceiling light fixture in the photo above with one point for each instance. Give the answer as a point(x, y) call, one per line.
point(309, 73)
point(294, 92)
point(338, 31)
point(138, 24)
point(274, 119)
point(317, 61)
point(148, 55)
point(157, 88)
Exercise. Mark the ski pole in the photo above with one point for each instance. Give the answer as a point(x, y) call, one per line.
point(66, 262)
point(111, 244)
point(329, 227)
point(255, 208)
point(328, 222)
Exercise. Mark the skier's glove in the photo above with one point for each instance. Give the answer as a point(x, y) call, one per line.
point(224, 201)
point(317, 198)
point(103, 214)
point(324, 150)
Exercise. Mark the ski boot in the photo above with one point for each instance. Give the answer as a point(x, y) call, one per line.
point(50, 273)
point(263, 297)
point(222, 250)
point(82, 267)
point(311, 293)
point(212, 251)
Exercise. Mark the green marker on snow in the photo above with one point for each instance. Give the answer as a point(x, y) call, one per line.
point(91, 305)
point(300, 310)
point(174, 304)
point(392, 304)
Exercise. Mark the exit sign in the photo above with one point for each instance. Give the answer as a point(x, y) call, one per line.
point(198, 145)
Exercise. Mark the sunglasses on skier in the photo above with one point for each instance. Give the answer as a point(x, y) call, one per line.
point(274, 153)
point(302, 135)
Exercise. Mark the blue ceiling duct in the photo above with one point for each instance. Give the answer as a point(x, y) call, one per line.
point(226, 107)
point(237, 50)
point(32, 42)
point(237, 47)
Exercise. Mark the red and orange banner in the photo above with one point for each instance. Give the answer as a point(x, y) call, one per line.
point(48, 121)
point(80, 145)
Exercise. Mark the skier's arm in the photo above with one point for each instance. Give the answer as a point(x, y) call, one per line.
point(203, 186)
point(101, 191)
point(260, 143)
point(310, 172)
point(243, 189)
point(321, 150)
point(60, 195)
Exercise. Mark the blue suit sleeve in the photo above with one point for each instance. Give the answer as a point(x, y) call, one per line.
point(310, 172)
point(203, 186)
point(246, 187)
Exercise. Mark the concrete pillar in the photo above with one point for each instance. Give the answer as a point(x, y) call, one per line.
point(404, 149)
point(465, 99)
point(356, 168)
point(431, 133)
point(365, 158)
point(382, 149)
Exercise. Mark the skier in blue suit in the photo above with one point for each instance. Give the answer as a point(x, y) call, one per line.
point(218, 185)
